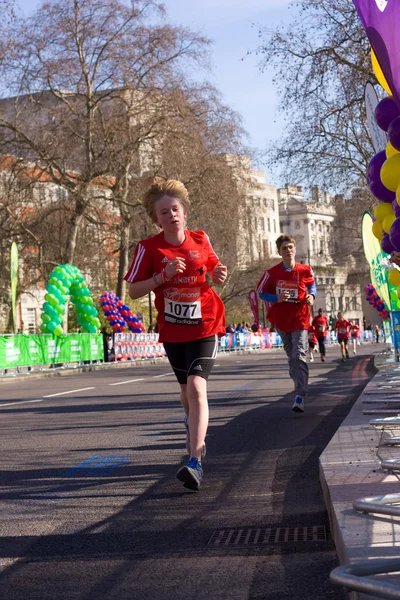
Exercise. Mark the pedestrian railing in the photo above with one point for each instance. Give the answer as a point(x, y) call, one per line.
point(356, 575)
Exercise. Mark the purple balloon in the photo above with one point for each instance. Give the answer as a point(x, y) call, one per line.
point(394, 133)
point(394, 234)
point(386, 110)
point(375, 165)
point(380, 192)
point(386, 244)
point(396, 208)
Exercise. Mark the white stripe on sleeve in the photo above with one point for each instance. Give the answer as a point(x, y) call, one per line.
point(136, 264)
point(263, 282)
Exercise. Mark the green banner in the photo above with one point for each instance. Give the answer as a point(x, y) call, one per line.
point(14, 282)
point(379, 275)
point(27, 350)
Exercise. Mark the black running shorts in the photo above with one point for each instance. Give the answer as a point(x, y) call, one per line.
point(192, 358)
point(344, 340)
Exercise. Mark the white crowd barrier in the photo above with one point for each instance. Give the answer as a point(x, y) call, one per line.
point(138, 346)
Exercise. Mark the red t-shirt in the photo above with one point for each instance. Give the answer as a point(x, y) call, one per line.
point(294, 314)
point(311, 335)
point(188, 308)
point(321, 325)
point(354, 331)
point(342, 329)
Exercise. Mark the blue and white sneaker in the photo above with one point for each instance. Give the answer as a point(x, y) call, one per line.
point(298, 405)
point(191, 474)
point(203, 450)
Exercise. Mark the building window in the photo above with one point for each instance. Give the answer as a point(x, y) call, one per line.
point(320, 227)
point(272, 204)
point(321, 247)
point(312, 226)
point(297, 224)
point(269, 224)
point(265, 203)
point(274, 226)
point(333, 304)
point(313, 246)
point(31, 314)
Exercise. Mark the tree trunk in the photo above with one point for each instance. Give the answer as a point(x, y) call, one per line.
point(74, 225)
point(123, 252)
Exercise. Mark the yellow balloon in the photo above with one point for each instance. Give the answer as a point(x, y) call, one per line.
point(383, 210)
point(387, 222)
point(377, 230)
point(398, 195)
point(394, 277)
point(390, 172)
point(390, 150)
point(379, 74)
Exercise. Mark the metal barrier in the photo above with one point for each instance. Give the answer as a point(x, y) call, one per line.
point(355, 576)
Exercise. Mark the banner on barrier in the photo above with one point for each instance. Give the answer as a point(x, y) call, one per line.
point(26, 350)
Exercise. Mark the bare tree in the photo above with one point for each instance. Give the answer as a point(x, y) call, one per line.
point(322, 63)
point(68, 66)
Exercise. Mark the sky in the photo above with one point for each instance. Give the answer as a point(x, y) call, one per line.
point(231, 25)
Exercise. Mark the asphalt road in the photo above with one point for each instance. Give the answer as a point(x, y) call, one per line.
point(90, 507)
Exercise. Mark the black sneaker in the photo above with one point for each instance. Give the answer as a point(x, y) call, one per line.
point(191, 474)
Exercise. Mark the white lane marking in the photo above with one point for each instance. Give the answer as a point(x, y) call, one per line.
point(69, 392)
point(129, 381)
point(217, 365)
point(20, 402)
point(164, 375)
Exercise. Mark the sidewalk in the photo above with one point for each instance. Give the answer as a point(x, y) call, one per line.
point(350, 470)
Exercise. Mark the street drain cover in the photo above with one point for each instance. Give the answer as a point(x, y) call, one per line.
point(276, 535)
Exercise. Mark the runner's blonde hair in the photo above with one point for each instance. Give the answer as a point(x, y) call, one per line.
point(164, 187)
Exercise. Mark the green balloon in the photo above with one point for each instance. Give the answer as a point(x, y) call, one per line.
point(52, 300)
point(51, 326)
point(58, 330)
point(43, 327)
point(49, 310)
point(45, 318)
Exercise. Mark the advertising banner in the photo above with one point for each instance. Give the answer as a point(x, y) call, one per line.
point(14, 282)
point(380, 19)
point(378, 136)
point(27, 350)
point(374, 255)
point(253, 299)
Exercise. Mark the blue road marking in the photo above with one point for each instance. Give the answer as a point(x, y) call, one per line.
point(116, 464)
point(84, 464)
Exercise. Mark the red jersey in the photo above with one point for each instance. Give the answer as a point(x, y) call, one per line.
point(188, 308)
point(294, 314)
point(321, 325)
point(311, 335)
point(354, 331)
point(342, 329)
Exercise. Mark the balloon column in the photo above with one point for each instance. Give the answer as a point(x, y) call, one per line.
point(372, 297)
point(118, 314)
point(67, 280)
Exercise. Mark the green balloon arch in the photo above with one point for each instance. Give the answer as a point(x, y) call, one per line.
point(64, 281)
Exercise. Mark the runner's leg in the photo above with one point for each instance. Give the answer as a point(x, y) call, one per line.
point(198, 413)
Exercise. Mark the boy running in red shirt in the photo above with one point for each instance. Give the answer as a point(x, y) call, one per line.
point(312, 341)
point(321, 323)
point(290, 289)
point(354, 335)
point(342, 329)
point(191, 315)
